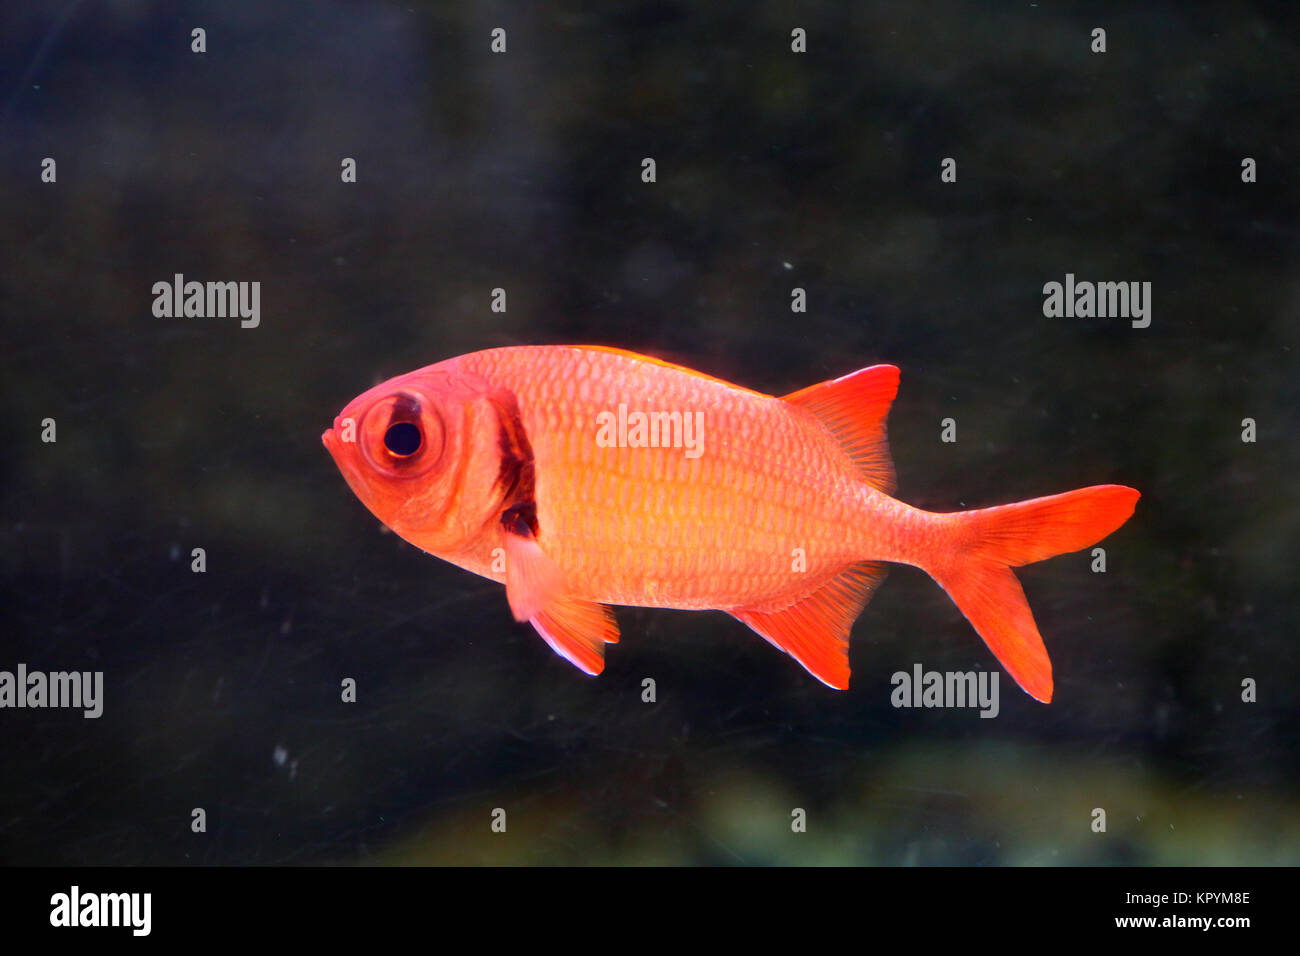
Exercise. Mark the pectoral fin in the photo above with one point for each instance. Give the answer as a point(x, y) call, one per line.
point(577, 630)
point(532, 580)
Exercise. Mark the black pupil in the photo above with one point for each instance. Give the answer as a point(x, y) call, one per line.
point(402, 439)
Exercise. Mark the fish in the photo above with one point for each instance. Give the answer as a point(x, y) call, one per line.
point(584, 477)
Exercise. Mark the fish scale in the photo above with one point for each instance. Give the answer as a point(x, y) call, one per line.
point(606, 513)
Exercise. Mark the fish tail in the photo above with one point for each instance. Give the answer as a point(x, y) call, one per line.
point(989, 542)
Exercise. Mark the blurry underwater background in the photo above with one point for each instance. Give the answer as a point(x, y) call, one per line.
point(522, 170)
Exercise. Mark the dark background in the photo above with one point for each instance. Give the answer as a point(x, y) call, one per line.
point(522, 171)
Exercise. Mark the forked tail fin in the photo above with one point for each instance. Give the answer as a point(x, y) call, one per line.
point(989, 542)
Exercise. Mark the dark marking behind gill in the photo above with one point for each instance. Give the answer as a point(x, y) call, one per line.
point(520, 520)
point(515, 476)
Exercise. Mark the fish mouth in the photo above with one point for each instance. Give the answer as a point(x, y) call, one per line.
point(332, 445)
point(343, 461)
point(330, 437)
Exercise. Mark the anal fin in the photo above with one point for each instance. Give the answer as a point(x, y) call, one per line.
point(815, 629)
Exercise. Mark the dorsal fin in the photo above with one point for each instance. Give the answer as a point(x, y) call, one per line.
point(853, 409)
point(815, 630)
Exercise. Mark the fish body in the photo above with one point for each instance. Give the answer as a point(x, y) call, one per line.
point(582, 477)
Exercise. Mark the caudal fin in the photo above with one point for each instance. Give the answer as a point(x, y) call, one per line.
point(991, 541)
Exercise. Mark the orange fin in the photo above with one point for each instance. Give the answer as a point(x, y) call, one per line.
point(991, 598)
point(1042, 528)
point(854, 409)
point(532, 579)
point(980, 581)
point(815, 630)
point(578, 631)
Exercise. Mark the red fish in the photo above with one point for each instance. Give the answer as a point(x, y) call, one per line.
point(581, 477)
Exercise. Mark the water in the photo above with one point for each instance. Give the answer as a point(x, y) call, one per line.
point(522, 171)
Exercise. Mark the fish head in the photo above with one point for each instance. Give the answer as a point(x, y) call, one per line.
point(423, 452)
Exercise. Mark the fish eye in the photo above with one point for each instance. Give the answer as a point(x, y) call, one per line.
point(402, 435)
point(403, 439)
